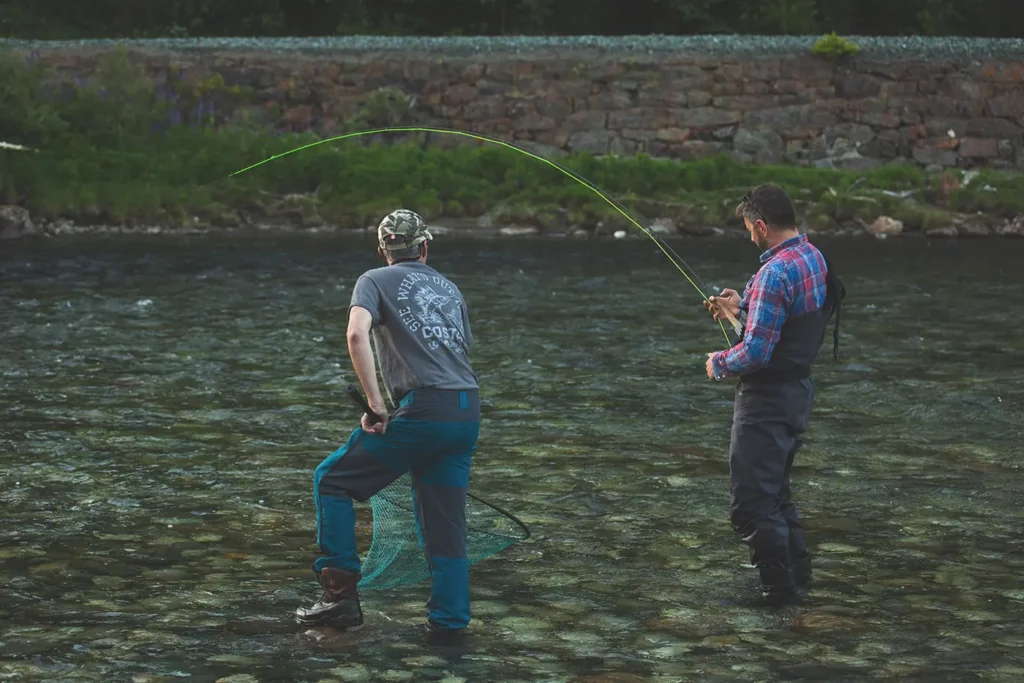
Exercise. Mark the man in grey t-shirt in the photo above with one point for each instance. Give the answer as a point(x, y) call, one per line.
point(420, 329)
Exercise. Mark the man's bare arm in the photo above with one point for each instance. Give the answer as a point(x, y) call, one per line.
point(359, 350)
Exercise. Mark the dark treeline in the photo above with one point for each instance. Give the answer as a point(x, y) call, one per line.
point(71, 19)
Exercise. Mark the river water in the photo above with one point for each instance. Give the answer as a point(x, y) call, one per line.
point(166, 400)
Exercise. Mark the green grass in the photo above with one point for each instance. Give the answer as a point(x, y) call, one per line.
point(168, 178)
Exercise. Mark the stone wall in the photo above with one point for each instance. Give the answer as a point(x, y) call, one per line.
point(765, 106)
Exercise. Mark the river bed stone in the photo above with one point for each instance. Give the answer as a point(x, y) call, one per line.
point(156, 480)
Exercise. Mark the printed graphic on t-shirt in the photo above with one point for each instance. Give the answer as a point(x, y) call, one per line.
point(429, 307)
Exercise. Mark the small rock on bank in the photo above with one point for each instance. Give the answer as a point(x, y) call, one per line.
point(519, 231)
point(1014, 228)
point(884, 226)
point(15, 223)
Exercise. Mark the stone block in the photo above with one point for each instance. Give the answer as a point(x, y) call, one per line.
point(640, 118)
point(460, 93)
point(762, 69)
point(533, 122)
point(983, 148)
point(698, 98)
point(1001, 72)
point(724, 133)
point(763, 144)
point(881, 119)
point(855, 85)
point(623, 147)
point(746, 102)
point(687, 151)
point(556, 109)
point(639, 135)
point(916, 131)
point(586, 121)
point(595, 142)
point(940, 127)
point(706, 117)
point(931, 156)
point(851, 131)
point(673, 134)
point(808, 69)
point(1009, 105)
point(993, 128)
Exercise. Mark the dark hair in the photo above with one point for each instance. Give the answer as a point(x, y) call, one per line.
point(406, 253)
point(771, 204)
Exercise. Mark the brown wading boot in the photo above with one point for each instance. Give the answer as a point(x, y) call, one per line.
point(339, 604)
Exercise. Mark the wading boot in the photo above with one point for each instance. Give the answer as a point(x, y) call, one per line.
point(802, 571)
point(778, 586)
point(339, 604)
point(438, 635)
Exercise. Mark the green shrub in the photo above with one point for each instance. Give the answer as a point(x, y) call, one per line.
point(831, 46)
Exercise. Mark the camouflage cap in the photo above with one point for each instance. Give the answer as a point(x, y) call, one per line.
point(400, 229)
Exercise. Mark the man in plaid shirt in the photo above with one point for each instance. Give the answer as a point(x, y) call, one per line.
point(785, 310)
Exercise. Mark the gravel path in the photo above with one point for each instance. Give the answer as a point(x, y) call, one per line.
point(909, 47)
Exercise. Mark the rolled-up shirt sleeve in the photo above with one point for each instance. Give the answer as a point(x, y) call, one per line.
point(768, 299)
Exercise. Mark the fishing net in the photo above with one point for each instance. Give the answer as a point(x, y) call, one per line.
point(396, 556)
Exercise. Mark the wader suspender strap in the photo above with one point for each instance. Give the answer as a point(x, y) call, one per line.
point(836, 292)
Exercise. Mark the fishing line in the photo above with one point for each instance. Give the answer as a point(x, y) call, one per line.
point(666, 249)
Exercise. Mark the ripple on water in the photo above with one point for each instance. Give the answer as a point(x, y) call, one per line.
point(161, 424)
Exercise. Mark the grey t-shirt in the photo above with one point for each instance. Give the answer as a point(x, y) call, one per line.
point(420, 328)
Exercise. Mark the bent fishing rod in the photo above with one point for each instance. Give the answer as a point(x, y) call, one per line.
point(666, 249)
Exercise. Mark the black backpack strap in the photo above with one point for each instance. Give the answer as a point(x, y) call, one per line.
point(835, 293)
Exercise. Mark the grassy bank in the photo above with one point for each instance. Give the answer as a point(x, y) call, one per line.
point(121, 150)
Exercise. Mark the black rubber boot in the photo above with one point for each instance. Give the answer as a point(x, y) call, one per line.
point(802, 571)
point(778, 586)
point(338, 606)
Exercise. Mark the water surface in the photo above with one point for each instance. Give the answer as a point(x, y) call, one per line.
point(166, 400)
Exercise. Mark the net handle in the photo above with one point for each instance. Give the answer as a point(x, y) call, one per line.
point(357, 398)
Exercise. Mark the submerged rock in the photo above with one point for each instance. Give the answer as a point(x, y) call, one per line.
point(824, 621)
point(352, 673)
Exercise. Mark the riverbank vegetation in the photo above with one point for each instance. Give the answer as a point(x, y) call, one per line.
point(119, 149)
point(64, 19)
